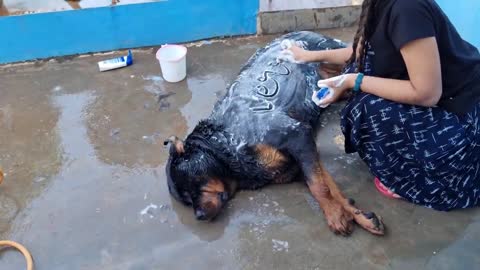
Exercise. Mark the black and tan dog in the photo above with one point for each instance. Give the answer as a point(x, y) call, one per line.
point(260, 133)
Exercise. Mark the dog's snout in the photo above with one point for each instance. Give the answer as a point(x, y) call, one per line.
point(200, 214)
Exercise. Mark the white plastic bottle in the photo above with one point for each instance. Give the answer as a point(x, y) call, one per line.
point(115, 63)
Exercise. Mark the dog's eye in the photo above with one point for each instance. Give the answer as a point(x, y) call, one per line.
point(223, 196)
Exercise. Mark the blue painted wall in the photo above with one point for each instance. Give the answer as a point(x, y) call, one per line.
point(465, 15)
point(45, 35)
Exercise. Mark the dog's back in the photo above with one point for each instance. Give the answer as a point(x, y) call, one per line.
point(270, 95)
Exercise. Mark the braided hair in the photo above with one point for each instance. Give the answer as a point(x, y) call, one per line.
point(364, 32)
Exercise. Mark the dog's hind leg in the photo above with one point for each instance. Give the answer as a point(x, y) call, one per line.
point(367, 220)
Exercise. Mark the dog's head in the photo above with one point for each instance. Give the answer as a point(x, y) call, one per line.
point(196, 177)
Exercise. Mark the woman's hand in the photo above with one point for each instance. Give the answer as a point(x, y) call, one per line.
point(340, 84)
point(335, 57)
point(299, 54)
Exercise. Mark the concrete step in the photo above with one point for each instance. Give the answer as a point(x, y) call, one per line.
point(280, 16)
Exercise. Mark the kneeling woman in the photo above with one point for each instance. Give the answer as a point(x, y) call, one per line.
point(414, 116)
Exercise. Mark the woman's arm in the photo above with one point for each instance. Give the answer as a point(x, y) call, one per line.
point(337, 56)
point(424, 87)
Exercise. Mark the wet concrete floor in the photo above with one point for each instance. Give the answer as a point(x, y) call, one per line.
point(85, 185)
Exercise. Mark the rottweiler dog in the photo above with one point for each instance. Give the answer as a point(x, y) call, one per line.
point(262, 132)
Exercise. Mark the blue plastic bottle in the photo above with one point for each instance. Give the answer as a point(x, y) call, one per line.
point(323, 93)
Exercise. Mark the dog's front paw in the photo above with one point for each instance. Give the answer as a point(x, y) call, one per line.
point(339, 220)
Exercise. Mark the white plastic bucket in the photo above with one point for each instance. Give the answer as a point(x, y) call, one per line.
point(172, 59)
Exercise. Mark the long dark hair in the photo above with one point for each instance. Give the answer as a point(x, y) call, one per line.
point(365, 30)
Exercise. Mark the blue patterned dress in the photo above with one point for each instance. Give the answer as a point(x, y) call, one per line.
point(428, 156)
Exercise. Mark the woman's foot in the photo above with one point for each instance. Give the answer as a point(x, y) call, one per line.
point(384, 190)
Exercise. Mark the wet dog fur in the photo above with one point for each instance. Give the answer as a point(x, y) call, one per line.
point(206, 169)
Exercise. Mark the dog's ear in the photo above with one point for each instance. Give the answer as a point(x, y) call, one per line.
point(177, 144)
point(1, 176)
